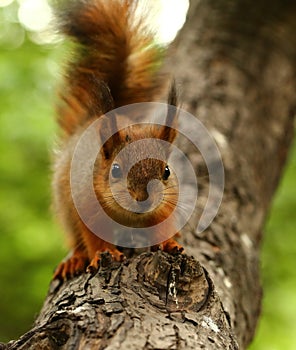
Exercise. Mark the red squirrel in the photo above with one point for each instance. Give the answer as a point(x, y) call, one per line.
point(116, 63)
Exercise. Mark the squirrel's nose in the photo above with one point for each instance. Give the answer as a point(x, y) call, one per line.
point(140, 196)
point(143, 201)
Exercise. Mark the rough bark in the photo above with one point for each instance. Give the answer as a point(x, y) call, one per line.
point(235, 62)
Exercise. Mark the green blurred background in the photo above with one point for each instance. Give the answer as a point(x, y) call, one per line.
point(31, 243)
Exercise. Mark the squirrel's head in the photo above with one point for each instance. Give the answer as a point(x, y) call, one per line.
point(133, 179)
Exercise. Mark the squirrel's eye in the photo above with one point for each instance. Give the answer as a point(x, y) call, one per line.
point(166, 173)
point(116, 171)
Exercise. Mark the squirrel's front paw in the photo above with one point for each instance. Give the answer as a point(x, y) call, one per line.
point(95, 262)
point(73, 266)
point(171, 246)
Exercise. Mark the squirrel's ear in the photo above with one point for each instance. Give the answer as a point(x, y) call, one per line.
point(109, 135)
point(173, 96)
point(168, 132)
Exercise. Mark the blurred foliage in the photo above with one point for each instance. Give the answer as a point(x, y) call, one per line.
point(30, 241)
point(31, 244)
point(277, 327)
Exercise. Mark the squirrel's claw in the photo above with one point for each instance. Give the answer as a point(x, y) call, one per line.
point(95, 262)
point(171, 246)
point(73, 266)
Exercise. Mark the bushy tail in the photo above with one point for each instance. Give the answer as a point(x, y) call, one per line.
point(115, 53)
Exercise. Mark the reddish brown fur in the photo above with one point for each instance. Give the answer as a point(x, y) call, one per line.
point(116, 47)
point(116, 64)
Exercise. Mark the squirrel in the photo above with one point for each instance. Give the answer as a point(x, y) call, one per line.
point(116, 63)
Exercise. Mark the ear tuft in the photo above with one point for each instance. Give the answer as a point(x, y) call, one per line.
point(168, 132)
point(173, 96)
point(109, 127)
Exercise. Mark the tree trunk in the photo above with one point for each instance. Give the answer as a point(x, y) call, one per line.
point(235, 63)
